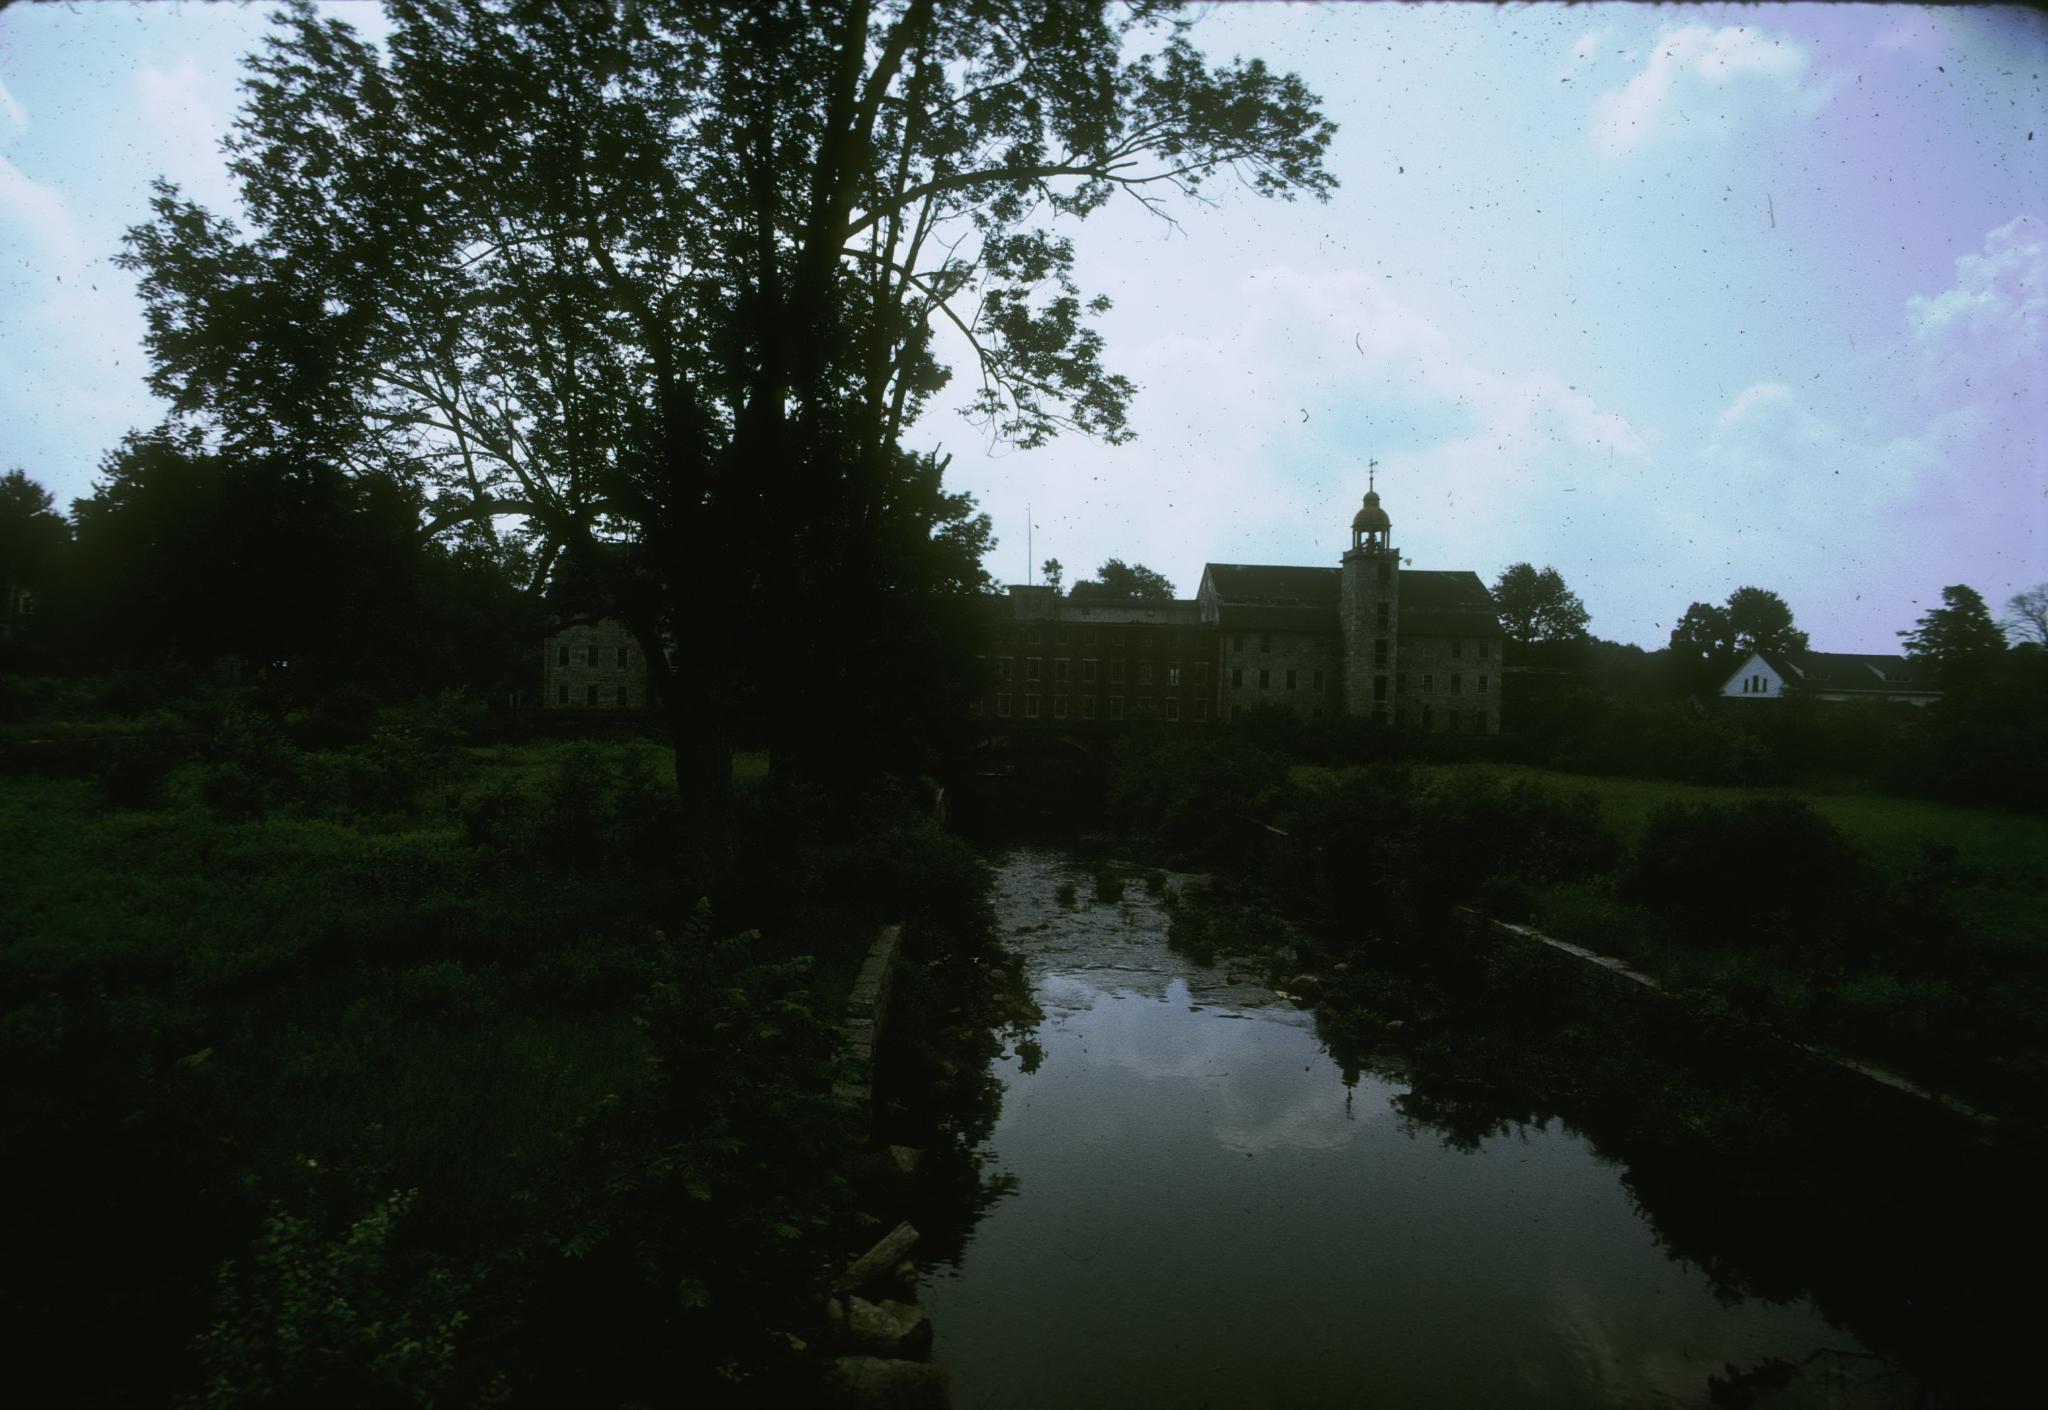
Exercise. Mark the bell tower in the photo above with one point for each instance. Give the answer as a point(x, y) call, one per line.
point(1369, 605)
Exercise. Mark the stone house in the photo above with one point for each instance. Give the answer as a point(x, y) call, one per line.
point(1368, 639)
point(593, 666)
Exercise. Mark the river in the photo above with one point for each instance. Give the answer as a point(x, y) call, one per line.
point(1205, 1214)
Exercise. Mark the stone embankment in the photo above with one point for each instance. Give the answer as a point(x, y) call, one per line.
point(880, 1338)
point(1621, 970)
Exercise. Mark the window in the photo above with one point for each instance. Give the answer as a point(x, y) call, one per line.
point(1457, 685)
point(974, 706)
point(622, 658)
point(1237, 677)
point(625, 701)
point(562, 659)
point(1201, 673)
point(592, 653)
point(562, 691)
point(1030, 707)
point(1144, 673)
point(1173, 674)
point(1265, 641)
point(1116, 672)
point(1237, 641)
point(1173, 709)
point(1088, 669)
point(1457, 650)
point(1201, 709)
point(1428, 688)
point(1031, 669)
point(1482, 685)
point(1034, 636)
point(1379, 651)
point(1116, 707)
point(1003, 705)
point(1400, 682)
point(1237, 712)
point(1087, 707)
point(1386, 575)
point(1059, 707)
point(1451, 721)
point(1485, 649)
point(1265, 678)
point(1318, 682)
point(1428, 711)
point(1059, 669)
point(1061, 636)
point(1380, 616)
point(590, 691)
point(1290, 680)
point(1002, 668)
point(1379, 687)
point(1379, 717)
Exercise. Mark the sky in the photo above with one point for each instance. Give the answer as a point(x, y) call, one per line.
point(1674, 299)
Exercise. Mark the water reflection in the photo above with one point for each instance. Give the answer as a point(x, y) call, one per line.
point(1207, 1213)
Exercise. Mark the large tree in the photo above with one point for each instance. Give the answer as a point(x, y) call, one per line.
point(1118, 581)
point(660, 281)
point(1956, 640)
point(2027, 614)
point(1709, 641)
point(1535, 605)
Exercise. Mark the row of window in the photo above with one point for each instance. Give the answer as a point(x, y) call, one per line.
point(1754, 685)
point(1144, 638)
point(1060, 670)
point(622, 698)
point(591, 656)
point(1114, 709)
point(1293, 679)
point(1380, 647)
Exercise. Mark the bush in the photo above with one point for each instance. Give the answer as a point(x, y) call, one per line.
point(133, 775)
point(1109, 887)
point(309, 1320)
point(1771, 872)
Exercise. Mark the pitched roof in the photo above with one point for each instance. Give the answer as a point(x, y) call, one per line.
point(1446, 603)
point(1271, 585)
point(1848, 671)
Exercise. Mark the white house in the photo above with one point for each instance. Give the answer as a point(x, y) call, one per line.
point(1829, 675)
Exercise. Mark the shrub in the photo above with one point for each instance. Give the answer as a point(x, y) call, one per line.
point(1769, 871)
point(309, 1320)
point(1109, 887)
point(134, 772)
point(1066, 895)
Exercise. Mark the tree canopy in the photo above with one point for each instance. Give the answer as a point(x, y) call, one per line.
point(1709, 641)
point(1956, 638)
point(1535, 605)
point(1117, 581)
point(2026, 614)
point(665, 278)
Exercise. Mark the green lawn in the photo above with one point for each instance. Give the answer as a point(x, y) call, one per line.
point(2004, 903)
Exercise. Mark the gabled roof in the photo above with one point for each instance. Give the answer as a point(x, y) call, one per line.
point(1271, 585)
point(1848, 671)
point(1446, 603)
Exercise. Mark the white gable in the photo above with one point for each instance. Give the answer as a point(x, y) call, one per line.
point(1755, 679)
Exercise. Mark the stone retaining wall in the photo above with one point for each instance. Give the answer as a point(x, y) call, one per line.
point(867, 1009)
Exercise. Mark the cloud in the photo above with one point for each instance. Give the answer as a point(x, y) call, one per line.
point(1695, 82)
point(1984, 335)
point(13, 116)
point(185, 131)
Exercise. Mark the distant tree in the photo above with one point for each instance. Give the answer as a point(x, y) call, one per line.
point(1535, 605)
point(1055, 572)
point(32, 533)
point(1703, 646)
point(1761, 621)
point(1117, 581)
point(1957, 639)
point(2027, 614)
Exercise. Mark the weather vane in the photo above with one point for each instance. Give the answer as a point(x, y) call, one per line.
point(1370, 467)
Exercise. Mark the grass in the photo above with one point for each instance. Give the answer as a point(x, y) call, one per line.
point(2004, 902)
